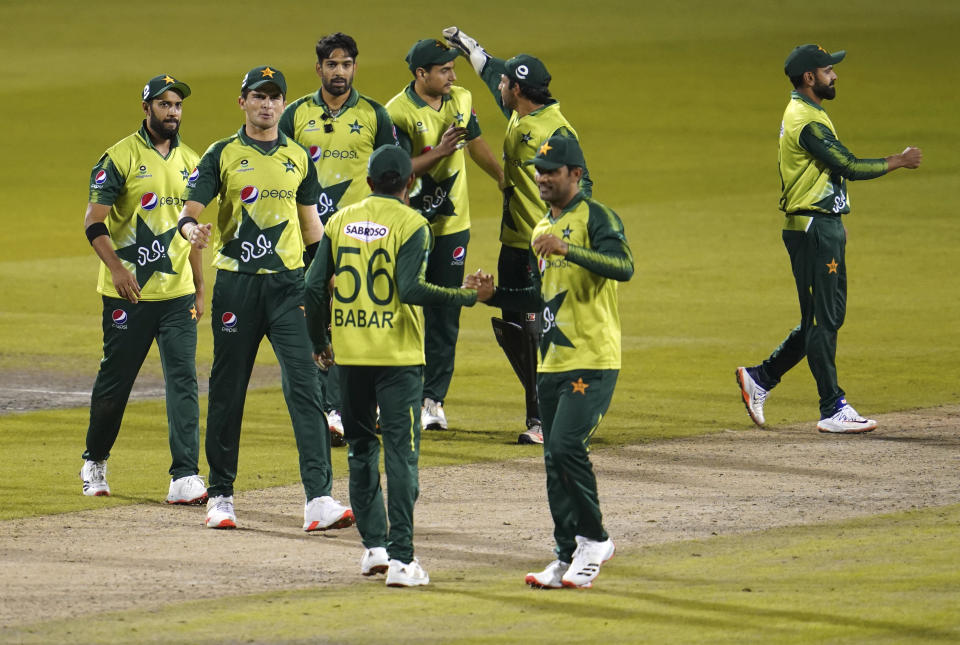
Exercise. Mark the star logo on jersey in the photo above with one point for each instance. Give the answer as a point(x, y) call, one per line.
point(579, 387)
point(267, 73)
point(149, 252)
point(459, 117)
point(168, 79)
point(832, 265)
point(526, 137)
point(330, 197)
point(184, 173)
point(434, 197)
point(289, 166)
point(355, 126)
point(544, 149)
point(254, 247)
point(566, 232)
point(551, 333)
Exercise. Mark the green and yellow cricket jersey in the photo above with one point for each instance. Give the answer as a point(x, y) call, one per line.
point(377, 251)
point(339, 145)
point(577, 292)
point(144, 190)
point(440, 194)
point(815, 166)
point(523, 207)
point(258, 227)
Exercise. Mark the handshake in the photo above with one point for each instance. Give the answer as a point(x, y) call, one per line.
point(483, 283)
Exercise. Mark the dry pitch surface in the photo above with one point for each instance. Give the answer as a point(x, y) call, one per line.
point(488, 515)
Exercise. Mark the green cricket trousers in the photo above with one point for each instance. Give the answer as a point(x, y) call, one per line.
point(398, 391)
point(573, 404)
point(817, 257)
point(441, 323)
point(245, 308)
point(128, 332)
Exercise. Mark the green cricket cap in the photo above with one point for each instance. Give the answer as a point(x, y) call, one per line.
point(806, 58)
point(558, 151)
point(528, 70)
point(387, 159)
point(429, 51)
point(264, 75)
point(160, 84)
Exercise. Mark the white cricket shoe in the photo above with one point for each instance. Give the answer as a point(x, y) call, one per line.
point(187, 490)
point(586, 562)
point(533, 434)
point(220, 513)
point(549, 578)
point(336, 429)
point(753, 395)
point(846, 421)
point(406, 575)
point(323, 513)
point(94, 476)
point(374, 561)
point(432, 416)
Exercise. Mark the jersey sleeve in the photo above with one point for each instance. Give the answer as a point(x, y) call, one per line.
point(286, 119)
point(386, 132)
point(308, 193)
point(412, 285)
point(104, 189)
point(491, 74)
point(206, 185)
point(610, 256)
point(473, 126)
point(817, 139)
point(586, 183)
point(317, 295)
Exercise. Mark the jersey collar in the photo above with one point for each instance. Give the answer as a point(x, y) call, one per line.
point(797, 95)
point(419, 102)
point(247, 141)
point(579, 197)
point(351, 101)
point(144, 135)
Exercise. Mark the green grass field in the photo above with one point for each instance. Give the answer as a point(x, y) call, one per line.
point(678, 107)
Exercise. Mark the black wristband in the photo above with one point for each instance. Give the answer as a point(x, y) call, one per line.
point(95, 230)
point(183, 220)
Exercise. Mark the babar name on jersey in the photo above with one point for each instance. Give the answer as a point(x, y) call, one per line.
point(376, 318)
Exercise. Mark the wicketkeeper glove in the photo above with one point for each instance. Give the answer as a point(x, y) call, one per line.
point(468, 47)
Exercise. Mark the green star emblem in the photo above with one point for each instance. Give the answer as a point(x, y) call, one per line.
point(566, 232)
point(330, 197)
point(551, 333)
point(184, 173)
point(149, 252)
point(254, 247)
point(459, 117)
point(526, 137)
point(434, 197)
point(289, 166)
point(355, 126)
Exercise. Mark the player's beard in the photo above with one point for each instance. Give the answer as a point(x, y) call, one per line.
point(824, 92)
point(338, 90)
point(163, 128)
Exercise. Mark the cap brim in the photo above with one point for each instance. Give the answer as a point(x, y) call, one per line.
point(182, 88)
point(261, 83)
point(836, 57)
point(544, 163)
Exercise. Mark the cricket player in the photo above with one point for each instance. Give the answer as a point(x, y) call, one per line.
point(814, 169)
point(521, 87)
point(435, 119)
point(578, 255)
point(340, 128)
point(267, 217)
point(377, 248)
point(151, 283)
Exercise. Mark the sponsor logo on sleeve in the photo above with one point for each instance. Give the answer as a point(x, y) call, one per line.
point(459, 255)
point(99, 179)
point(192, 179)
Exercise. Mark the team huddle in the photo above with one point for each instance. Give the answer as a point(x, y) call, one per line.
point(341, 235)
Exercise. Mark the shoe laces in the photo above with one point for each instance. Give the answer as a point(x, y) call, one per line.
point(98, 472)
point(223, 505)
